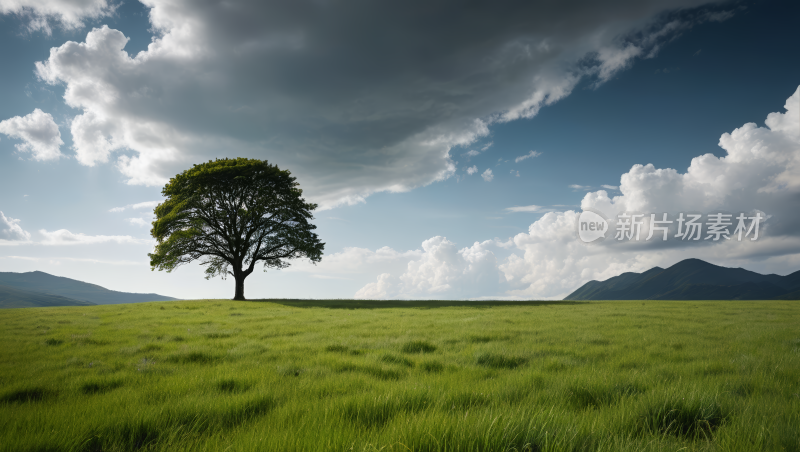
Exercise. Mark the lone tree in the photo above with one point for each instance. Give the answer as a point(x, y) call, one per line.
point(230, 214)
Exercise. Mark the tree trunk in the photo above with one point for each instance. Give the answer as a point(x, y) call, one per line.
point(239, 277)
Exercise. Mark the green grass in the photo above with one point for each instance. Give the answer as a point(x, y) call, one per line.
point(397, 376)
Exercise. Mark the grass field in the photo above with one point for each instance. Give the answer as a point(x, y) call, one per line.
point(368, 376)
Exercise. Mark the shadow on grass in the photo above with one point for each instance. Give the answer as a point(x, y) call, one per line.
point(421, 304)
point(158, 432)
point(25, 395)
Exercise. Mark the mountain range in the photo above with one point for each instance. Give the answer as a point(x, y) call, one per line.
point(39, 289)
point(692, 279)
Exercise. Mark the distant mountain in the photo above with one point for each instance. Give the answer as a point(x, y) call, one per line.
point(70, 289)
point(11, 297)
point(692, 279)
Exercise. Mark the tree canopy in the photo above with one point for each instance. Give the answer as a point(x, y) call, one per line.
point(230, 214)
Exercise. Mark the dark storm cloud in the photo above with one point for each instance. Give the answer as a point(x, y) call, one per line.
point(355, 97)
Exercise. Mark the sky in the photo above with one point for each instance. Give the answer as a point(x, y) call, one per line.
point(451, 147)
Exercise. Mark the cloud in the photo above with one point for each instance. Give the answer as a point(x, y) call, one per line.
point(146, 205)
point(719, 16)
point(378, 290)
point(515, 173)
point(330, 277)
point(68, 14)
point(149, 205)
point(527, 156)
point(441, 270)
point(39, 134)
point(610, 187)
point(473, 153)
point(355, 260)
point(65, 237)
point(472, 170)
point(579, 187)
point(76, 259)
point(553, 263)
point(142, 222)
point(759, 173)
point(284, 82)
point(761, 170)
point(530, 208)
point(615, 59)
point(487, 175)
point(11, 232)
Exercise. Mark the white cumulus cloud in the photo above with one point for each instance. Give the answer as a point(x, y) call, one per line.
point(378, 290)
point(39, 134)
point(472, 170)
point(69, 14)
point(441, 270)
point(487, 175)
point(11, 232)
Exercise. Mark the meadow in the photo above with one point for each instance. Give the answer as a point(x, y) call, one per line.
point(220, 375)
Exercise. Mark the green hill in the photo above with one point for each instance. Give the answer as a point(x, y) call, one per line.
point(11, 297)
point(47, 284)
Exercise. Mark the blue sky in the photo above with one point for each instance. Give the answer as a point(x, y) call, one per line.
point(375, 110)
